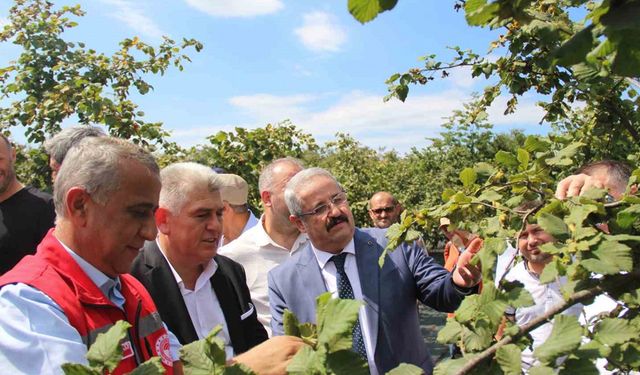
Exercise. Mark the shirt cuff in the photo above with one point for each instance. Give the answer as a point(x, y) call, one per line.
point(174, 344)
point(465, 291)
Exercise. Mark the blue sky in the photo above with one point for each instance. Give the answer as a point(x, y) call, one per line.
point(265, 61)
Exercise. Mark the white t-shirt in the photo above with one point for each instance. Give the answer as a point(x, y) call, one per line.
point(545, 297)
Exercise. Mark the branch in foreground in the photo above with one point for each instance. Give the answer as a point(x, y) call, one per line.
point(576, 297)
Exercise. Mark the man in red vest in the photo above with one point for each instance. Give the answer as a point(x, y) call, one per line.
point(53, 304)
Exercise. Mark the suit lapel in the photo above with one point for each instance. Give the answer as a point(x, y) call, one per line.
point(309, 272)
point(167, 295)
point(369, 273)
point(230, 308)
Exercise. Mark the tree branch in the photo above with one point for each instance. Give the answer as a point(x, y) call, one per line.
point(535, 323)
point(621, 282)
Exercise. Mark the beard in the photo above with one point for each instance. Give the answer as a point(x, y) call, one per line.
point(6, 178)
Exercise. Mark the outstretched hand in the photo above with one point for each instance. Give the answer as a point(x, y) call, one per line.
point(576, 185)
point(467, 275)
point(272, 356)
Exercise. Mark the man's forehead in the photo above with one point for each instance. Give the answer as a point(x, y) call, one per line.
point(382, 200)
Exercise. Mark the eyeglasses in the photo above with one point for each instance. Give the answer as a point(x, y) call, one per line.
point(378, 211)
point(337, 200)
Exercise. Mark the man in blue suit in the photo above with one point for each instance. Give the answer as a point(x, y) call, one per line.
point(344, 260)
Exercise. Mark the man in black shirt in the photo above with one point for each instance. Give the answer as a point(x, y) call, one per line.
point(26, 214)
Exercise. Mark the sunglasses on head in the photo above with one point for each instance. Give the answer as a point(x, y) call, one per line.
point(378, 211)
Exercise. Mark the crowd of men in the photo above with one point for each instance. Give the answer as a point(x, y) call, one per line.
point(176, 252)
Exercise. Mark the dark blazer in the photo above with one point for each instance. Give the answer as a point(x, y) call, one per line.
point(390, 294)
point(229, 284)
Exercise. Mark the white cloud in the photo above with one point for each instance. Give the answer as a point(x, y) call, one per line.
point(133, 16)
point(392, 125)
point(270, 108)
point(236, 8)
point(321, 32)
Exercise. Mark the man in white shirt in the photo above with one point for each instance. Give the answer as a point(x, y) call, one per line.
point(238, 218)
point(545, 296)
point(195, 289)
point(271, 242)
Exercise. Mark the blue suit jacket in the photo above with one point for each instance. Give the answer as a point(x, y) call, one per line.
point(390, 294)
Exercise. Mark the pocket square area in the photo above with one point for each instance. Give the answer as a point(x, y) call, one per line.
point(248, 313)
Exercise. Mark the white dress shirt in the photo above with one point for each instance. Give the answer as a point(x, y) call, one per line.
point(329, 274)
point(203, 304)
point(258, 254)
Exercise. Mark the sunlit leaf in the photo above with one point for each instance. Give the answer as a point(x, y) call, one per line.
point(106, 351)
point(509, 358)
point(565, 336)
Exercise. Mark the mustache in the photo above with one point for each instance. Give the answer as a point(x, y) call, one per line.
point(333, 221)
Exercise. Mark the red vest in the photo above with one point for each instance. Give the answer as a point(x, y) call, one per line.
point(53, 271)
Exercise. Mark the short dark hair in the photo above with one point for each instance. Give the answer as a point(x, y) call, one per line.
point(619, 171)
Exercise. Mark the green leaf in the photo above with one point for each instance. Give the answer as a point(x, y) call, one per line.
point(291, 324)
point(509, 357)
point(366, 10)
point(582, 366)
point(628, 216)
point(490, 196)
point(614, 254)
point(611, 331)
point(523, 158)
point(564, 156)
point(336, 334)
point(516, 295)
point(534, 144)
point(505, 158)
point(347, 362)
point(477, 339)
point(550, 272)
point(450, 366)
point(307, 362)
point(204, 356)
point(406, 369)
point(237, 369)
point(450, 333)
point(479, 13)
point(566, 335)
point(541, 370)
point(553, 225)
point(153, 366)
point(468, 177)
point(468, 308)
point(490, 305)
point(106, 351)
point(78, 369)
point(575, 50)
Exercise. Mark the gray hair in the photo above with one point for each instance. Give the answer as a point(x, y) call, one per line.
point(266, 181)
point(94, 164)
point(179, 180)
point(59, 145)
point(300, 181)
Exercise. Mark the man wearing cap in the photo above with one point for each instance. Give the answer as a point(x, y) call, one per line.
point(237, 218)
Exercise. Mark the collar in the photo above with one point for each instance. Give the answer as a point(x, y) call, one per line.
point(206, 274)
point(323, 257)
point(104, 282)
point(262, 238)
